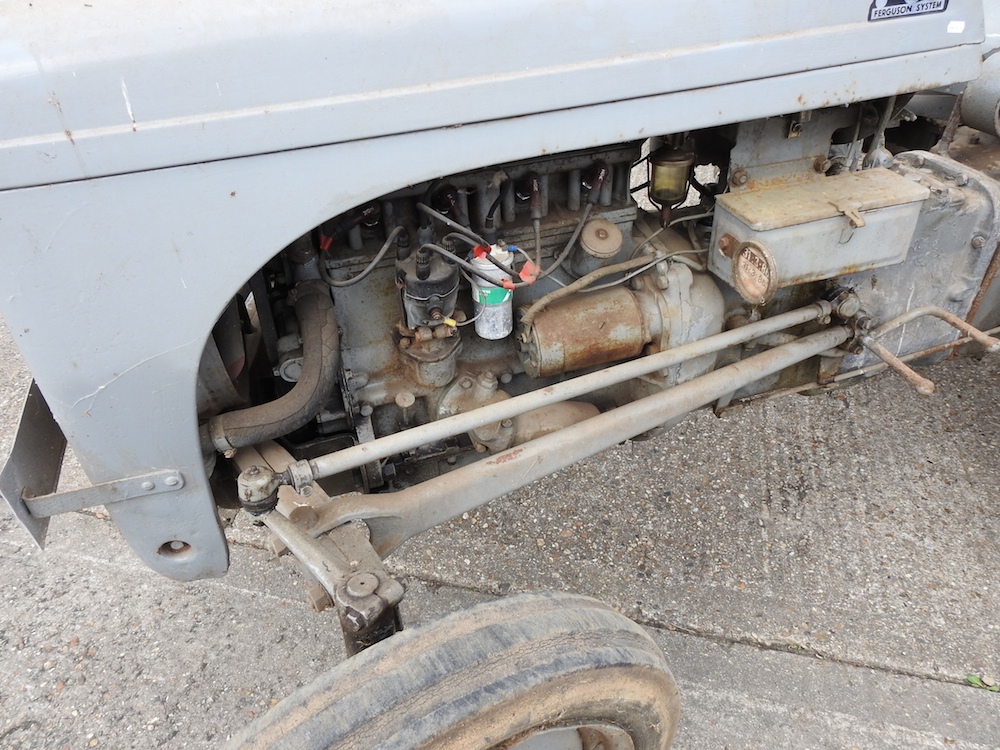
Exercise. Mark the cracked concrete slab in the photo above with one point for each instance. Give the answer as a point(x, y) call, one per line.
point(821, 573)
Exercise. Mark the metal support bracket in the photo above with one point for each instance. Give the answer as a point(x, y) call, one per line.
point(32, 469)
point(29, 478)
point(105, 493)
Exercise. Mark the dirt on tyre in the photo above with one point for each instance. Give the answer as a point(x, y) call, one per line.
point(534, 672)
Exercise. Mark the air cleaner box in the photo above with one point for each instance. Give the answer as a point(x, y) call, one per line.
point(778, 236)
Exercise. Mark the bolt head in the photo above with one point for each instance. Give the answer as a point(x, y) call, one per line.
point(147, 486)
point(171, 481)
point(978, 242)
point(318, 597)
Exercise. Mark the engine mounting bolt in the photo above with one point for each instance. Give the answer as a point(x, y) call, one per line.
point(978, 241)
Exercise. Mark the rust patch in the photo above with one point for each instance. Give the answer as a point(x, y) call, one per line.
point(505, 457)
point(578, 332)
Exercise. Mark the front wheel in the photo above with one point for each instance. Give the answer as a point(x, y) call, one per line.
point(533, 672)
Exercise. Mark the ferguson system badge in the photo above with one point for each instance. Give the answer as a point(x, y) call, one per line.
point(882, 10)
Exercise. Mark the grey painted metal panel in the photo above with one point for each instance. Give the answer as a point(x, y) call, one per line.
point(97, 89)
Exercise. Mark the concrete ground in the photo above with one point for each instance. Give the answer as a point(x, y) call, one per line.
point(821, 573)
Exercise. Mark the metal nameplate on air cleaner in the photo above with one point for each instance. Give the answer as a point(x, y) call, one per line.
point(754, 273)
point(883, 10)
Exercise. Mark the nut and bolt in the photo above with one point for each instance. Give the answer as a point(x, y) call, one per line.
point(846, 304)
point(978, 242)
point(507, 423)
point(275, 546)
point(728, 245)
point(822, 164)
point(318, 597)
point(739, 178)
point(465, 383)
point(849, 307)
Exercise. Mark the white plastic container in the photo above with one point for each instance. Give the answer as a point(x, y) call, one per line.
point(493, 306)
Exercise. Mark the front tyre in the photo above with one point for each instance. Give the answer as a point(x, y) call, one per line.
point(535, 672)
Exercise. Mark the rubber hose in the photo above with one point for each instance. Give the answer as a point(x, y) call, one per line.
point(320, 362)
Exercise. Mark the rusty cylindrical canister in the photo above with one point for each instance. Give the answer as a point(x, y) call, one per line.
point(584, 330)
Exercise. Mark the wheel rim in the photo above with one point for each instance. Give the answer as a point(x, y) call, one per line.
point(582, 737)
